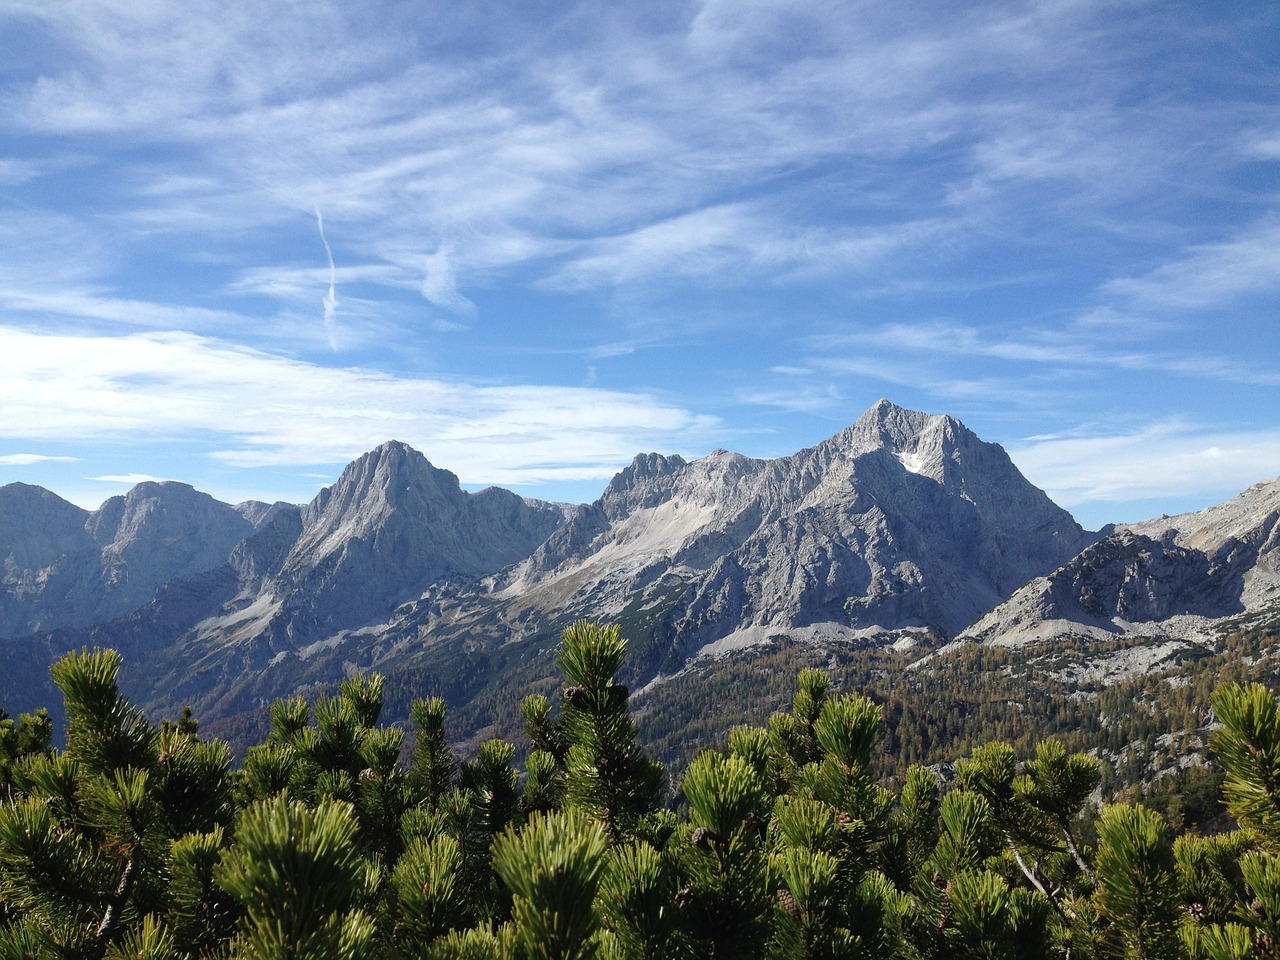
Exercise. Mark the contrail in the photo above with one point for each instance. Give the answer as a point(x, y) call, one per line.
point(331, 299)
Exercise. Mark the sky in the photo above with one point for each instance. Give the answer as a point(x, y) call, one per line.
point(241, 243)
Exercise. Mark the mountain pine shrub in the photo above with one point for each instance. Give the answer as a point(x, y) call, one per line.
point(137, 840)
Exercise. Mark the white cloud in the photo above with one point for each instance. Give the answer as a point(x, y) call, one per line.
point(92, 305)
point(266, 410)
point(330, 300)
point(128, 478)
point(1213, 274)
point(805, 399)
point(27, 459)
point(604, 161)
point(605, 351)
point(1262, 146)
point(299, 284)
point(1166, 459)
point(440, 286)
point(924, 348)
point(14, 171)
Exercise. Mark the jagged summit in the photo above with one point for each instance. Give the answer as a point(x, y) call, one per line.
point(904, 520)
point(392, 477)
point(892, 426)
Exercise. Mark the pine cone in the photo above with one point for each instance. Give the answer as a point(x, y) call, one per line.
point(610, 766)
point(788, 902)
point(575, 696)
point(703, 838)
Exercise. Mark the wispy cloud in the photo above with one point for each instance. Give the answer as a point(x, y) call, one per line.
point(440, 285)
point(1162, 459)
point(18, 171)
point(273, 411)
point(330, 298)
point(806, 399)
point(1212, 274)
point(27, 459)
point(127, 478)
point(606, 162)
point(929, 344)
point(95, 305)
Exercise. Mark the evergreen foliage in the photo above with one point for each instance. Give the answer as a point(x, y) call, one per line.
point(137, 840)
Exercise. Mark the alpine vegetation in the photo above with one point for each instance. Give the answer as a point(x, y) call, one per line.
point(142, 841)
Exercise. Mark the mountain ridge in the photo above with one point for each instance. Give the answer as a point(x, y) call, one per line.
point(904, 529)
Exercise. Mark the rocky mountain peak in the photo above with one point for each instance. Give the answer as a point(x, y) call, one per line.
point(391, 477)
point(1169, 577)
point(910, 435)
point(157, 531)
point(645, 483)
point(391, 525)
point(36, 526)
point(64, 566)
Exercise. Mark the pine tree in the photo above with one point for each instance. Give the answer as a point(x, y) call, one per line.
point(553, 867)
point(300, 881)
point(607, 775)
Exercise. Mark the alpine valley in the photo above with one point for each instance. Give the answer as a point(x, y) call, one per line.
point(905, 555)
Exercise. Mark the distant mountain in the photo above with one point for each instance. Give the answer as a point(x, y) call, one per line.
point(68, 567)
point(391, 526)
point(902, 533)
point(1172, 577)
point(904, 523)
point(903, 528)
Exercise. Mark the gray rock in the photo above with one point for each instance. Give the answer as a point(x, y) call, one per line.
point(1173, 577)
point(68, 567)
point(902, 521)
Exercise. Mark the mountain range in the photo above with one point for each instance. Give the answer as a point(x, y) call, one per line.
point(904, 530)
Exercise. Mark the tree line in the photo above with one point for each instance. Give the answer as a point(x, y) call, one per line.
point(335, 838)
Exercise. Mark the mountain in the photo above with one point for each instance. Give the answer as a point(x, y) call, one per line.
point(1173, 578)
point(902, 523)
point(390, 527)
point(903, 528)
point(903, 533)
point(69, 567)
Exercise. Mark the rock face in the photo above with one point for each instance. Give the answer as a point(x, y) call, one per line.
point(904, 527)
point(392, 526)
point(903, 521)
point(1171, 576)
point(68, 567)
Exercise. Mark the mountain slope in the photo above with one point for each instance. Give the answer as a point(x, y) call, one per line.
point(903, 521)
point(68, 567)
point(1170, 577)
point(391, 526)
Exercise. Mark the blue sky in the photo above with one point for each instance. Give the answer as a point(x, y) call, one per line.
point(243, 242)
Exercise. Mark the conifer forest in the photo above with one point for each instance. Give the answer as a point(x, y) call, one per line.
point(339, 837)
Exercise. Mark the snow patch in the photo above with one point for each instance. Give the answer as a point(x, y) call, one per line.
point(911, 462)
